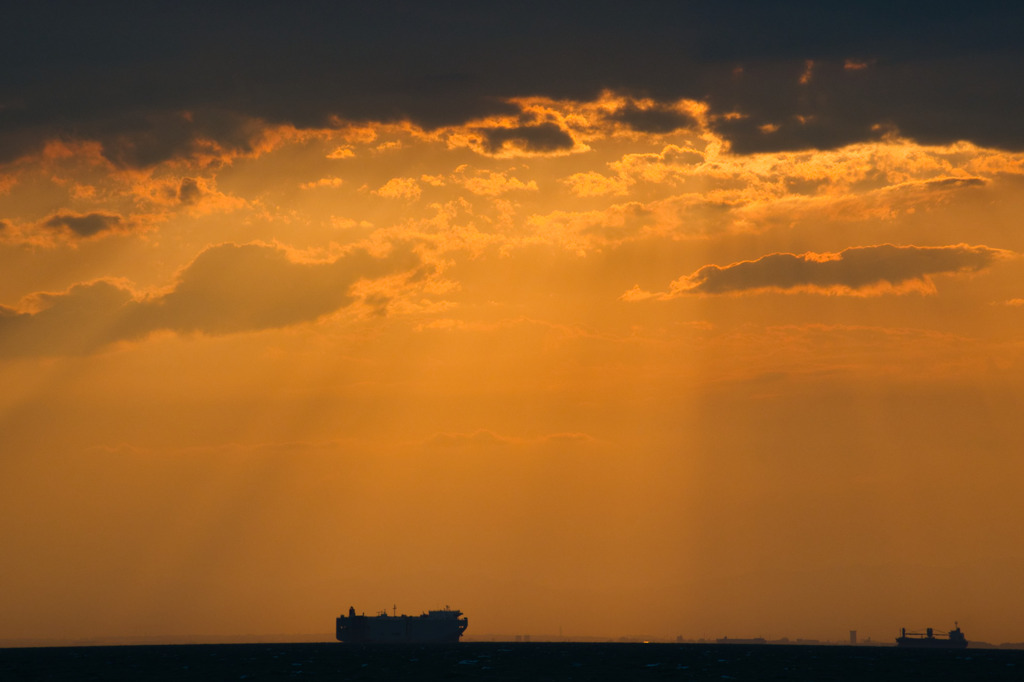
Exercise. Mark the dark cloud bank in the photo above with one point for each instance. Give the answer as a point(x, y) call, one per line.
point(124, 73)
point(544, 137)
point(227, 288)
point(84, 225)
point(856, 268)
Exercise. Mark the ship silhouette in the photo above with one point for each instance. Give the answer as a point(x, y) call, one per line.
point(954, 639)
point(441, 626)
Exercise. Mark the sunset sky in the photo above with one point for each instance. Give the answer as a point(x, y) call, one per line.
point(614, 319)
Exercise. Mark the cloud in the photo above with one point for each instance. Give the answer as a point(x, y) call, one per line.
point(189, 192)
point(87, 225)
point(585, 232)
point(478, 439)
point(854, 271)
point(137, 136)
point(77, 320)
point(671, 164)
point(933, 101)
point(343, 152)
point(149, 138)
point(332, 181)
point(543, 138)
point(226, 289)
point(400, 188)
point(594, 184)
point(490, 183)
point(657, 118)
point(955, 183)
point(182, 87)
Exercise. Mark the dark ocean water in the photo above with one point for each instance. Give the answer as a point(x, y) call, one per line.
point(533, 662)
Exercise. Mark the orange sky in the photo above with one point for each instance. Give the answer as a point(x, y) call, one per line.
point(579, 367)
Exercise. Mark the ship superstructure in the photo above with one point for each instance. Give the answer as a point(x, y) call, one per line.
point(954, 639)
point(445, 625)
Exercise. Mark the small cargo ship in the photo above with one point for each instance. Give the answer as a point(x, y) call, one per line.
point(432, 627)
point(954, 639)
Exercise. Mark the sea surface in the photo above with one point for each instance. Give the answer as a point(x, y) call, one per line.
point(533, 662)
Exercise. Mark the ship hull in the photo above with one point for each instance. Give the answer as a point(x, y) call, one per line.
point(954, 639)
point(924, 643)
point(438, 627)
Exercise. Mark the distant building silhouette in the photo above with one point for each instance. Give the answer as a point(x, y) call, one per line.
point(741, 640)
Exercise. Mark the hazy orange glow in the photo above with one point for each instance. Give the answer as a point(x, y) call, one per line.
point(578, 368)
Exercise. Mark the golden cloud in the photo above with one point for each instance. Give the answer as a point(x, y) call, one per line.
point(323, 182)
point(400, 188)
point(490, 183)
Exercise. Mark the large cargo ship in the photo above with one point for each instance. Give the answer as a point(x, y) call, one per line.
point(431, 627)
point(954, 639)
